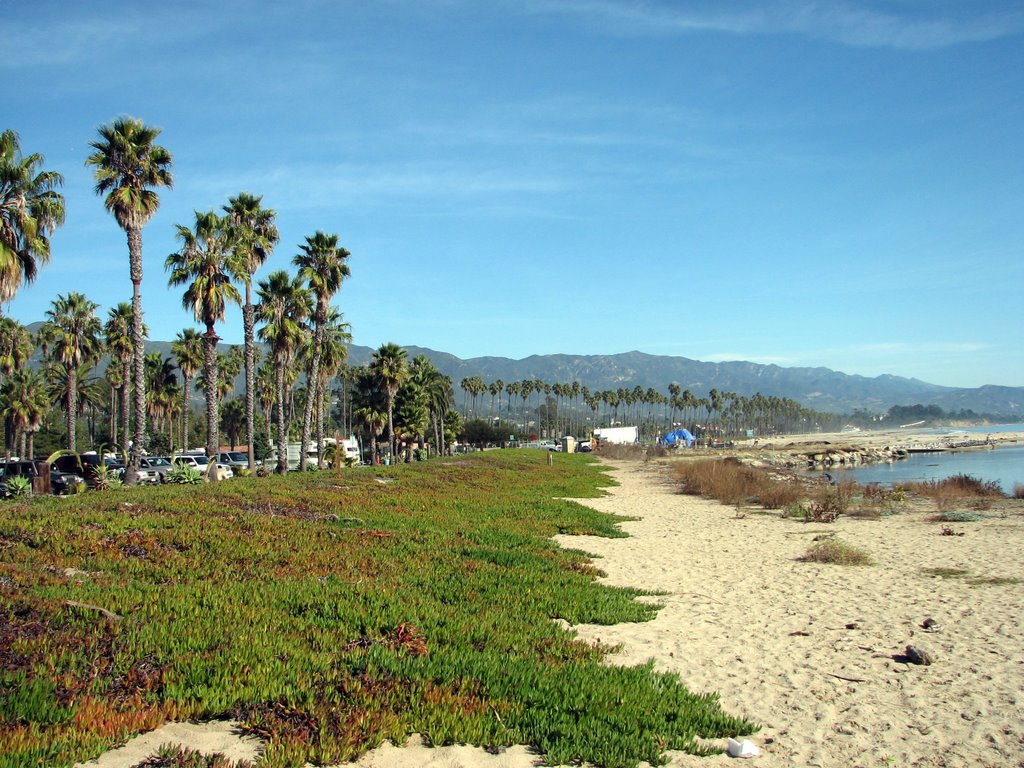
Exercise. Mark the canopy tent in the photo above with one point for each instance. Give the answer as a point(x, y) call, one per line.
point(678, 436)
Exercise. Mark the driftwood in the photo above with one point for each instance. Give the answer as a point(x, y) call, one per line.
point(85, 606)
point(847, 679)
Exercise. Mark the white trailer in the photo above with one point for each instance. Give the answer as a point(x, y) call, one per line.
point(618, 435)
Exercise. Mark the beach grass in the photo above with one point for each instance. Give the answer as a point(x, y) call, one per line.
point(836, 552)
point(328, 612)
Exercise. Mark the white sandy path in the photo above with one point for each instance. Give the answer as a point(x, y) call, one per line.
point(734, 593)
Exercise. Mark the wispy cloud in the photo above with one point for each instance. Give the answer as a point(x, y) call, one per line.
point(848, 23)
point(345, 184)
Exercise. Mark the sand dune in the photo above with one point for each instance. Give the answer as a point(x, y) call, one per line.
point(812, 652)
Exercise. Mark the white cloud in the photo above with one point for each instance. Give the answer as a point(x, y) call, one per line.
point(848, 23)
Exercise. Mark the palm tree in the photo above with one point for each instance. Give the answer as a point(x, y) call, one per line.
point(127, 166)
point(72, 331)
point(16, 346)
point(187, 349)
point(391, 368)
point(252, 234)
point(30, 210)
point(117, 335)
point(284, 304)
point(161, 390)
point(333, 354)
point(232, 419)
point(322, 264)
point(77, 383)
point(370, 406)
point(23, 404)
point(202, 265)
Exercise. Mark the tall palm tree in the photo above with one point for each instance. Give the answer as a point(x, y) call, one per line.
point(252, 235)
point(202, 265)
point(187, 349)
point(284, 304)
point(128, 166)
point(322, 264)
point(30, 210)
point(390, 365)
point(71, 335)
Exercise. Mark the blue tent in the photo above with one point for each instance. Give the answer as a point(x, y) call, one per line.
point(679, 435)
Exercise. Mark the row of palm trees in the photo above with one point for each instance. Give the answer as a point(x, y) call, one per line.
point(559, 411)
point(219, 253)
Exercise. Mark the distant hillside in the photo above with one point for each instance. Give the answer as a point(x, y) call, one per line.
point(819, 388)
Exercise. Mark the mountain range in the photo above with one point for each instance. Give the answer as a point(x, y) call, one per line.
point(819, 388)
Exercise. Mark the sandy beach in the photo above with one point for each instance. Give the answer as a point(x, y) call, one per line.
point(814, 653)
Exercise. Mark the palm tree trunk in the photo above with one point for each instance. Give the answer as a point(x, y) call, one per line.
point(139, 354)
point(185, 409)
point(311, 384)
point(210, 364)
point(72, 400)
point(250, 385)
point(282, 436)
point(126, 388)
point(112, 423)
point(391, 425)
point(320, 387)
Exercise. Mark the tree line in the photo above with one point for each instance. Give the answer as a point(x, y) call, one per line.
point(540, 409)
point(218, 256)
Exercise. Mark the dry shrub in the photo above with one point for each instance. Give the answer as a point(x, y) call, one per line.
point(631, 452)
point(730, 482)
point(836, 552)
point(958, 490)
point(778, 494)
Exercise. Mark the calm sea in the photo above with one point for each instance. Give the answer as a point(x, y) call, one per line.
point(1003, 465)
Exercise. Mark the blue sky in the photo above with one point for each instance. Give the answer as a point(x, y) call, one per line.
point(834, 184)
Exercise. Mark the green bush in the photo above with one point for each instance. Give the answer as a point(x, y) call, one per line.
point(18, 487)
point(183, 474)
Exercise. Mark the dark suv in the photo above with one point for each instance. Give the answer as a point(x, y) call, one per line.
point(60, 482)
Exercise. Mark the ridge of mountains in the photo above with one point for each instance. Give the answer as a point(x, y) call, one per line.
point(822, 389)
point(819, 388)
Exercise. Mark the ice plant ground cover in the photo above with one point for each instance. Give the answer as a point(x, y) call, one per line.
point(328, 612)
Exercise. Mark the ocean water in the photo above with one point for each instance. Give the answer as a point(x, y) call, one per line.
point(1003, 465)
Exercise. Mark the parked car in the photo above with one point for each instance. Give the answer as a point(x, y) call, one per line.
point(60, 482)
point(156, 466)
point(202, 463)
point(233, 459)
point(86, 467)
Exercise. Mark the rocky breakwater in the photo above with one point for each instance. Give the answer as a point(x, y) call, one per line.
point(850, 456)
point(823, 456)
